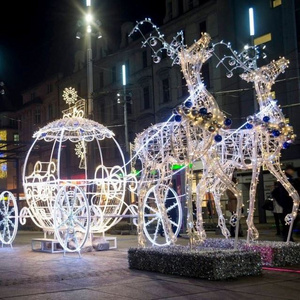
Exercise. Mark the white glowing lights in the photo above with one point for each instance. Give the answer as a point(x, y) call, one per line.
point(124, 75)
point(74, 208)
point(70, 95)
point(251, 21)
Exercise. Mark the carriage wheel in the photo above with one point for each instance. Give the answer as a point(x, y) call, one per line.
point(8, 217)
point(153, 225)
point(71, 218)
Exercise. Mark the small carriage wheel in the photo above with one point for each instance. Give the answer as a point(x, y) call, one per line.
point(153, 215)
point(71, 218)
point(8, 217)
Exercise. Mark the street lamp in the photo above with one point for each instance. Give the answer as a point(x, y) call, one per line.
point(126, 99)
point(125, 107)
point(89, 24)
point(251, 21)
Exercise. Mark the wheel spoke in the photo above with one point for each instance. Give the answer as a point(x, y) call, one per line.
point(61, 208)
point(151, 221)
point(80, 225)
point(78, 209)
point(172, 206)
point(151, 208)
point(63, 223)
point(11, 223)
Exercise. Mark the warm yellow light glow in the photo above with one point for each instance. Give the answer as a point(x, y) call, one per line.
point(3, 166)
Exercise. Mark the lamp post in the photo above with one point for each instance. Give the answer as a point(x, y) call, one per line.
point(89, 63)
point(89, 25)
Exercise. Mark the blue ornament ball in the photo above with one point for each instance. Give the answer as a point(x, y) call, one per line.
point(227, 122)
point(188, 104)
point(203, 111)
point(286, 145)
point(276, 132)
point(178, 118)
point(266, 119)
point(249, 126)
point(218, 138)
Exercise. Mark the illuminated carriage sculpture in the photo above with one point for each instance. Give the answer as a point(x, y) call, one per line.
point(74, 209)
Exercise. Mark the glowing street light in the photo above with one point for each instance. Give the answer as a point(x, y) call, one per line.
point(125, 108)
point(251, 21)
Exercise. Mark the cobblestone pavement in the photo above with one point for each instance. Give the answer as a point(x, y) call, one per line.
point(25, 274)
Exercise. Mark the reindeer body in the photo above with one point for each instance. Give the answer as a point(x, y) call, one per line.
point(182, 141)
point(250, 149)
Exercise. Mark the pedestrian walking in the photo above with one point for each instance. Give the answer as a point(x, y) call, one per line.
point(277, 210)
point(285, 201)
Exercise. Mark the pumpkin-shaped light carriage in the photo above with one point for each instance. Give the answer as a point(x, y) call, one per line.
point(72, 207)
point(75, 199)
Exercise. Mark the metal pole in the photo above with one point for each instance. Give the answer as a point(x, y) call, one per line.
point(89, 76)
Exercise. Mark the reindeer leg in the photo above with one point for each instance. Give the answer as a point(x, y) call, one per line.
point(275, 170)
point(221, 219)
point(200, 192)
point(252, 232)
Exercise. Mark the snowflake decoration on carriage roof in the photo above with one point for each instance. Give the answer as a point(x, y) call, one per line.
point(70, 95)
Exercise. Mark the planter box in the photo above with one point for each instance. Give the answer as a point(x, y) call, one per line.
point(273, 254)
point(211, 264)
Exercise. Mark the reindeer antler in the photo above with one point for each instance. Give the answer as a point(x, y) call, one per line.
point(176, 45)
point(245, 60)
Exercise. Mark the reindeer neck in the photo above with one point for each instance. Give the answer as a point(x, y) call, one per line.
point(267, 105)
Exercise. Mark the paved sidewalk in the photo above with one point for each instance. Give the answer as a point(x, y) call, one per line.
point(25, 274)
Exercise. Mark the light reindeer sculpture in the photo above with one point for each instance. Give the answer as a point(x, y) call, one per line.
point(256, 145)
point(182, 141)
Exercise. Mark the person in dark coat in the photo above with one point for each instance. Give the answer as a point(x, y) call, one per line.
point(285, 201)
point(232, 207)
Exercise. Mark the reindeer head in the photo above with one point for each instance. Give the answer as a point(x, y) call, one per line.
point(265, 76)
point(198, 52)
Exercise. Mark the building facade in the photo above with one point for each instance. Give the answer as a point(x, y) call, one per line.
point(153, 90)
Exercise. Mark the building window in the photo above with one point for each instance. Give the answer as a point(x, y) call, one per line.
point(16, 137)
point(145, 62)
point(50, 111)
point(180, 7)
point(78, 88)
point(146, 94)
point(202, 27)
point(127, 64)
point(166, 90)
point(102, 113)
point(32, 95)
point(190, 4)
point(113, 74)
point(276, 3)
point(170, 10)
point(263, 39)
point(49, 88)
point(37, 115)
point(101, 80)
point(129, 107)
point(115, 111)
point(205, 75)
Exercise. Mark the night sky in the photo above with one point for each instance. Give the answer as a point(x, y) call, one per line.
point(37, 36)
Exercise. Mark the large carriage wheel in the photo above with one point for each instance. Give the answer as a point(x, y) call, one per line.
point(8, 217)
point(71, 218)
point(153, 225)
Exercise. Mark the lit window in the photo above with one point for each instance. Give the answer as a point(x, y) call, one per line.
point(263, 39)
